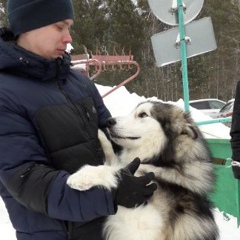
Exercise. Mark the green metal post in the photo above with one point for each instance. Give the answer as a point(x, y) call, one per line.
point(183, 54)
point(216, 120)
point(238, 201)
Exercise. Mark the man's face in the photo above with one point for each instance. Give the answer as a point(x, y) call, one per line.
point(50, 41)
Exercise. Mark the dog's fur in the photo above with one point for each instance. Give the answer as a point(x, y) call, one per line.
point(169, 144)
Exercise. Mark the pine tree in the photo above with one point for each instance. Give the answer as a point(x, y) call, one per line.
point(89, 24)
point(3, 13)
point(127, 26)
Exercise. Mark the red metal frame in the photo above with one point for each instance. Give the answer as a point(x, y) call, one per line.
point(103, 62)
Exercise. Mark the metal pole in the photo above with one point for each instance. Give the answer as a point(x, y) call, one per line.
point(183, 54)
point(216, 120)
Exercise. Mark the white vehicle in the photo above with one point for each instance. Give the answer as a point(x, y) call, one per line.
point(227, 109)
point(209, 106)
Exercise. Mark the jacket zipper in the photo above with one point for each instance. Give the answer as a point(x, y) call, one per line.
point(71, 104)
point(28, 170)
point(87, 114)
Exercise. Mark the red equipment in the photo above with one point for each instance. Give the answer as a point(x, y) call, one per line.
point(106, 62)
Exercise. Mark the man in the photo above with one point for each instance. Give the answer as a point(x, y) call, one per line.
point(49, 117)
point(235, 134)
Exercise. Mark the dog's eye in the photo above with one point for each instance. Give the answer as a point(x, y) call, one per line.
point(142, 115)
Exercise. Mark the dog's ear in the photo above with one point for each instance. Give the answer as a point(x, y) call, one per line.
point(185, 128)
point(185, 125)
point(190, 130)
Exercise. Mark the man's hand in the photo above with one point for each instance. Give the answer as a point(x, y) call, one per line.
point(133, 191)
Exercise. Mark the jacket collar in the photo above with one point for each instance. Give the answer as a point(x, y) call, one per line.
point(18, 61)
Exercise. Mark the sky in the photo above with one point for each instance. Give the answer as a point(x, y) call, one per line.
point(121, 102)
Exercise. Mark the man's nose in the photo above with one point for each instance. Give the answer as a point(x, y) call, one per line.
point(67, 37)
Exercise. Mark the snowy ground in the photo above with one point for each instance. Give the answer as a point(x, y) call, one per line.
point(228, 226)
point(122, 102)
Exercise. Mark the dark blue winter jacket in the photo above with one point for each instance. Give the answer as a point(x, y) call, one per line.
point(49, 116)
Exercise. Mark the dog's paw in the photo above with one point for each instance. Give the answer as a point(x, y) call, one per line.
point(110, 157)
point(93, 176)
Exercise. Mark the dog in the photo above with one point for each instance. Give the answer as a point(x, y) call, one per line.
point(170, 145)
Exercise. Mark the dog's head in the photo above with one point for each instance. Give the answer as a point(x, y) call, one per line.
point(153, 130)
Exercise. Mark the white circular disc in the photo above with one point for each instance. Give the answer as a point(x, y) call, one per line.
point(162, 10)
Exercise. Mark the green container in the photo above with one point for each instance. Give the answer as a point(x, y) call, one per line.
point(226, 195)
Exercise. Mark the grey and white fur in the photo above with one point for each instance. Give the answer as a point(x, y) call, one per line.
point(168, 143)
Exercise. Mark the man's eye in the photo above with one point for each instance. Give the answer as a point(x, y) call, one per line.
point(143, 115)
point(59, 27)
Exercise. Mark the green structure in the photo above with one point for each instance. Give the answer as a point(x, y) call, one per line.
point(226, 195)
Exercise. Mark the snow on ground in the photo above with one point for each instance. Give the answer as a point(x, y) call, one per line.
point(121, 102)
point(228, 226)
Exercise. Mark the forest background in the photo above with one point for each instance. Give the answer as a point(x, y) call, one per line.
point(123, 27)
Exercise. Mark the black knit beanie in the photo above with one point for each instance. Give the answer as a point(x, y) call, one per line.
point(26, 15)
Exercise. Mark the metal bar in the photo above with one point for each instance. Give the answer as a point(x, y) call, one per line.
point(126, 81)
point(88, 62)
point(217, 120)
point(183, 54)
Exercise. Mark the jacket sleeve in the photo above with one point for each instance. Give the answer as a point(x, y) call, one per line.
point(235, 127)
point(235, 134)
point(27, 176)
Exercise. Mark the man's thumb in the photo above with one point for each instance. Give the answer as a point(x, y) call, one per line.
point(133, 166)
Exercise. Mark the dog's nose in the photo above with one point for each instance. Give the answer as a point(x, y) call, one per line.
point(111, 122)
